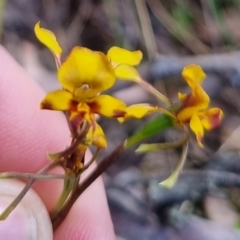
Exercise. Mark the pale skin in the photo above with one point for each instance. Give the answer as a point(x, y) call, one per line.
point(27, 133)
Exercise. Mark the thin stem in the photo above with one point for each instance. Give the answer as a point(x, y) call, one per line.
point(91, 161)
point(73, 146)
point(143, 148)
point(34, 176)
point(187, 39)
point(100, 168)
point(154, 91)
point(15, 202)
point(146, 26)
point(69, 184)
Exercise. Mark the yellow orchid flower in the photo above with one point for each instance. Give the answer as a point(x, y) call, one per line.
point(105, 105)
point(84, 75)
point(121, 60)
point(194, 106)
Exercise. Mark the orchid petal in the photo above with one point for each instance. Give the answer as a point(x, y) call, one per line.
point(211, 118)
point(48, 39)
point(185, 114)
point(126, 72)
point(98, 137)
point(182, 96)
point(194, 102)
point(124, 56)
point(193, 73)
point(107, 106)
point(138, 111)
point(60, 100)
point(85, 73)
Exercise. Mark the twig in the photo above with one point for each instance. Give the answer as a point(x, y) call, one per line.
point(191, 42)
point(146, 27)
point(210, 24)
point(15, 202)
point(2, 8)
point(34, 176)
point(86, 166)
point(223, 64)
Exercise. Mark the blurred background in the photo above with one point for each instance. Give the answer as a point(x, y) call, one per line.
point(205, 203)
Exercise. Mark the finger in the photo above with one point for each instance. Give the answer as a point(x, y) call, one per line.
point(27, 133)
point(30, 220)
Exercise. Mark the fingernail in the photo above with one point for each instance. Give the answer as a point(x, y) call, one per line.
point(29, 220)
point(17, 224)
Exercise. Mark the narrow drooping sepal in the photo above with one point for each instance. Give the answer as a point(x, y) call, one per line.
point(172, 179)
point(144, 148)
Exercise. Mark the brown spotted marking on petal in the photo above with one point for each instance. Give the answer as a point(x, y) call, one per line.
point(119, 113)
point(46, 105)
point(215, 119)
point(73, 105)
point(190, 100)
point(94, 106)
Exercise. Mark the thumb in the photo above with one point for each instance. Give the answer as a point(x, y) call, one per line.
point(29, 220)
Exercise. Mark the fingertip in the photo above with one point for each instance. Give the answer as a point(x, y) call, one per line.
point(30, 219)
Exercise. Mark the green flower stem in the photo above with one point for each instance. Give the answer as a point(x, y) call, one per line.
point(86, 166)
point(154, 91)
point(69, 185)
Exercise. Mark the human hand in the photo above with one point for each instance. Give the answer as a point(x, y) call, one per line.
point(27, 133)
